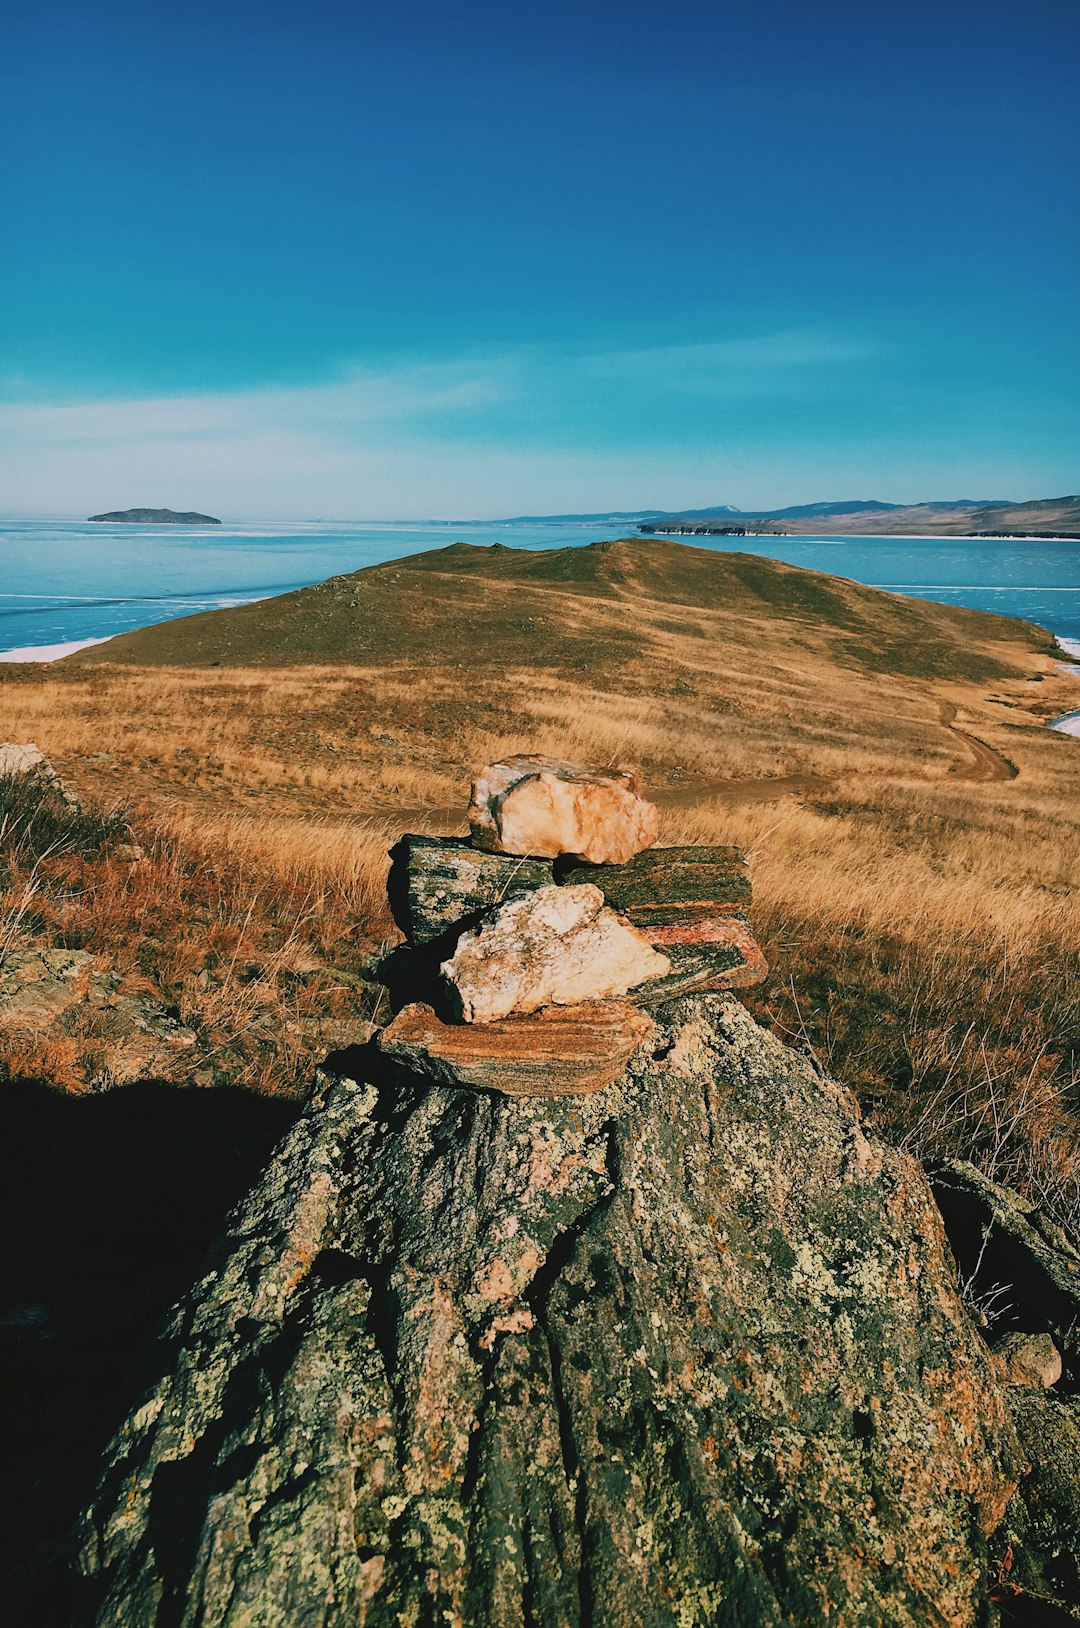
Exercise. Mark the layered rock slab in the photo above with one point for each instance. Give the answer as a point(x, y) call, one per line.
point(685, 1352)
point(563, 1051)
point(555, 946)
point(703, 956)
point(666, 886)
point(544, 807)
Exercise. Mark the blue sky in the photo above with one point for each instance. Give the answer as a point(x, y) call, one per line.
point(470, 259)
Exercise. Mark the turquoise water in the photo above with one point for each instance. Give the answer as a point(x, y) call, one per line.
point(64, 582)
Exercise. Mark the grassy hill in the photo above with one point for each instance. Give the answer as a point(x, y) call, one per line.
point(913, 827)
point(472, 607)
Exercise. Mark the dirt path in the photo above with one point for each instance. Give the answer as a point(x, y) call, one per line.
point(982, 764)
point(763, 790)
point(985, 764)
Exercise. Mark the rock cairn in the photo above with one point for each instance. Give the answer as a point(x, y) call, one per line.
point(538, 947)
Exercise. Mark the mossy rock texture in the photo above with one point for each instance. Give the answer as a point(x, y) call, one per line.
point(687, 1351)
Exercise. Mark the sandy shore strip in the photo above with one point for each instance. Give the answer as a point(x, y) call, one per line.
point(1073, 648)
point(49, 652)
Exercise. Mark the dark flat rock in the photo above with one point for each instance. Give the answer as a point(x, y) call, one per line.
point(437, 883)
point(705, 956)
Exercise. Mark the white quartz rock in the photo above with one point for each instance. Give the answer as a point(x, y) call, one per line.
point(556, 946)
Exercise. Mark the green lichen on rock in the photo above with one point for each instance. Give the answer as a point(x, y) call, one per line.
point(688, 1351)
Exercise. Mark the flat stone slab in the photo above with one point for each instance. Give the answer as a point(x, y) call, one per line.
point(667, 885)
point(557, 946)
point(545, 807)
point(705, 956)
point(562, 1051)
point(437, 883)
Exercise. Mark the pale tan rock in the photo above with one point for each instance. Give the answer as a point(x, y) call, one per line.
point(544, 807)
point(563, 1051)
point(1029, 1360)
point(24, 758)
point(554, 947)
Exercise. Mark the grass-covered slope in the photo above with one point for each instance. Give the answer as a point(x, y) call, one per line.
point(912, 825)
point(468, 606)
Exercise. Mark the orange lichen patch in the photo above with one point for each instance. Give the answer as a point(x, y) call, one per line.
point(439, 1436)
point(496, 1282)
point(501, 1280)
point(371, 1576)
point(514, 1322)
point(307, 1230)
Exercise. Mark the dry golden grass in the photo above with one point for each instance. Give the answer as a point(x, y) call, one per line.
point(921, 920)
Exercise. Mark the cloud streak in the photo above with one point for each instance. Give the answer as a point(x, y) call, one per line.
point(413, 392)
point(752, 421)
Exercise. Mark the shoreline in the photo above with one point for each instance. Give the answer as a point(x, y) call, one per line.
point(945, 593)
point(875, 536)
point(50, 652)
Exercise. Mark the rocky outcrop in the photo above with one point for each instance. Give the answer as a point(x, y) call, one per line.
point(686, 1351)
point(60, 1005)
point(544, 807)
point(1022, 1265)
point(24, 758)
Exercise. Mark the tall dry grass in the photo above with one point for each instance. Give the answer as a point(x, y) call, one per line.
point(922, 925)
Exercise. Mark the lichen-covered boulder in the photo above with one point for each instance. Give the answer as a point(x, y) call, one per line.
point(687, 1351)
point(1023, 1265)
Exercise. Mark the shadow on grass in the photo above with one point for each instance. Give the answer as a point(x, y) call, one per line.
point(107, 1206)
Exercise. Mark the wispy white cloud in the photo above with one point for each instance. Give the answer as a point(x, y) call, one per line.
point(533, 427)
point(766, 364)
point(412, 391)
point(362, 397)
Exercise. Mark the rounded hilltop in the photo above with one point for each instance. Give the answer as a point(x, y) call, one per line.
point(577, 609)
point(158, 517)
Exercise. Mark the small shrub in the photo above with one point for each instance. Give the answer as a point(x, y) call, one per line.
point(37, 821)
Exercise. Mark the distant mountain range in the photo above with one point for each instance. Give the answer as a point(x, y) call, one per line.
point(1040, 517)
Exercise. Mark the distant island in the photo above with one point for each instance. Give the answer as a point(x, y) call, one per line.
point(158, 517)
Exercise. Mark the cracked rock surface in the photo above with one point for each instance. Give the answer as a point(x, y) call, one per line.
point(686, 1351)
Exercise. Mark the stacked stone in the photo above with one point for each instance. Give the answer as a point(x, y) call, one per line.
point(540, 945)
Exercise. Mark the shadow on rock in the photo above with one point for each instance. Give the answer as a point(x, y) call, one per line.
point(107, 1206)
